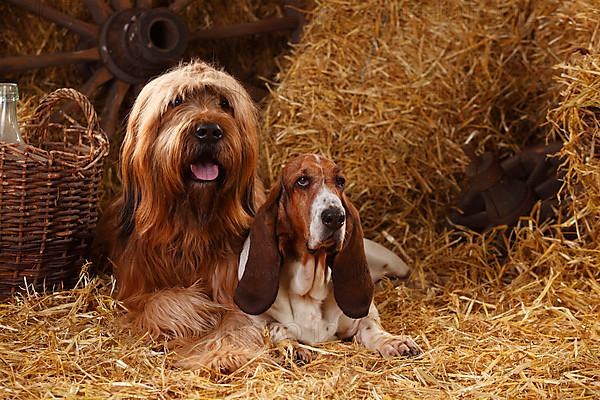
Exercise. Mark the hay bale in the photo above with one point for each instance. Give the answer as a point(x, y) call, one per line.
point(576, 121)
point(391, 90)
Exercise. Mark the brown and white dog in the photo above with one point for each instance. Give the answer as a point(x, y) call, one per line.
point(188, 168)
point(303, 269)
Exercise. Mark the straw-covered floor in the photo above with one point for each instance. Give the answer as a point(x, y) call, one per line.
point(391, 90)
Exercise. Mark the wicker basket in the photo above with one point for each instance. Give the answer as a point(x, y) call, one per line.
point(49, 196)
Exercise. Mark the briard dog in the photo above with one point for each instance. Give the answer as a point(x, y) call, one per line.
point(188, 169)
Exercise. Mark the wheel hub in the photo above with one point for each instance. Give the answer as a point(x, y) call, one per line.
point(137, 44)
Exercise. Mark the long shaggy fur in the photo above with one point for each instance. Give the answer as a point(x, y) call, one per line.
point(176, 241)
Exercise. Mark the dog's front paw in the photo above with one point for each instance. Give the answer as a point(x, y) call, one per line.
point(223, 362)
point(228, 363)
point(303, 356)
point(393, 346)
point(295, 352)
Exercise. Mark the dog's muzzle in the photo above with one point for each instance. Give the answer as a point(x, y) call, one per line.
point(209, 133)
point(333, 218)
point(330, 234)
point(206, 169)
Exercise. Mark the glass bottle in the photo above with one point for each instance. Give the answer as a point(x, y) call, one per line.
point(9, 126)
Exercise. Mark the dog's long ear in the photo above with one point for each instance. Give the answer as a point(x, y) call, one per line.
point(131, 191)
point(132, 161)
point(129, 204)
point(352, 284)
point(137, 183)
point(248, 202)
point(257, 288)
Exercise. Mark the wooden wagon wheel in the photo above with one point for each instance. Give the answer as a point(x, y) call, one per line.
point(131, 41)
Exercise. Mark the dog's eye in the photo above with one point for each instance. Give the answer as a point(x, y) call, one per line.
point(340, 182)
point(177, 102)
point(224, 104)
point(303, 182)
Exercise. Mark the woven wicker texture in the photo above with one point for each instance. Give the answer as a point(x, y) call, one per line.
point(49, 192)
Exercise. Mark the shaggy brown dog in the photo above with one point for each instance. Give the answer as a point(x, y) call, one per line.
point(188, 167)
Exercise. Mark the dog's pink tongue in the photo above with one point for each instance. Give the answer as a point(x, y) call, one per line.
point(205, 171)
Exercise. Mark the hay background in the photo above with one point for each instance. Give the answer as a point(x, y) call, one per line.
point(391, 90)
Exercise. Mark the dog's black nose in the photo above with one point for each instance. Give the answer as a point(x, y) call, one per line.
point(333, 218)
point(209, 133)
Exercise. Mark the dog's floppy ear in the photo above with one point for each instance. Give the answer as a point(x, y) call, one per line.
point(352, 283)
point(257, 288)
point(131, 191)
point(248, 202)
point(130, 202)
point(130, 181)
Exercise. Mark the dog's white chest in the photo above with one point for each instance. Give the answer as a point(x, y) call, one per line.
point(305, 304)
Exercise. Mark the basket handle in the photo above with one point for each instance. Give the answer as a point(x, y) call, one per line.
point(41, 116)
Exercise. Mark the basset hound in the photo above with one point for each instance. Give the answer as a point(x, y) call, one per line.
point(303, 270)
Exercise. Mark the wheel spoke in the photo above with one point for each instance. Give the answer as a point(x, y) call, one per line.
point(99, 78)
point(119, 5)
point(179, 5)
point(99, 10)
point(89, 88)
point(143, 3)
point(110, 114)
point(248, 28)
point(52, 14)
point(24, 63)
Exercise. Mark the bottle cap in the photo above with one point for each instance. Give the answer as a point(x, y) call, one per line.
point(9, 92)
